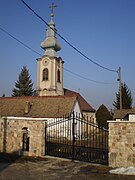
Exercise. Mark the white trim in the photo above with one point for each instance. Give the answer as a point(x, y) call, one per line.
point(123, 121)
point(25, 118)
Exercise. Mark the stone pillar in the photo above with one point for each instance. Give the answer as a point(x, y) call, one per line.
point(121, 143)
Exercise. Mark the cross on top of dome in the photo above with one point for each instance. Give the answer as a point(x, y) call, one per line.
point(52, 9)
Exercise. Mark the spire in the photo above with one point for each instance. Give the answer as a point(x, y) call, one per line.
point(50, 44)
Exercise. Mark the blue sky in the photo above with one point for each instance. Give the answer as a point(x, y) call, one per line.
point(104, 30)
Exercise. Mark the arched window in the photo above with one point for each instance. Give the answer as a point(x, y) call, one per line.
point(58, 75)
point(45, 74)
point(25, 139)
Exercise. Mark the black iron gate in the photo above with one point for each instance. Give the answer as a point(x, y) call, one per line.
point(77, 138)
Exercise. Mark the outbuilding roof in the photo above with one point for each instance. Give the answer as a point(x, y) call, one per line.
point(123, 113)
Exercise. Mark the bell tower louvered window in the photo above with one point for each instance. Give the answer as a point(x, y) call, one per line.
point(58, 75)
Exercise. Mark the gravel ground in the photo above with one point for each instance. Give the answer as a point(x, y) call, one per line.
point(47, 168)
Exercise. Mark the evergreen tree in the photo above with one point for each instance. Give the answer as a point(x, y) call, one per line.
point(102, 116)
point(24, 85)
point(126, 98)
point(3, 95)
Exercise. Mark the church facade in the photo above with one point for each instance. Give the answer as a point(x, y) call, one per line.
point(23, 119)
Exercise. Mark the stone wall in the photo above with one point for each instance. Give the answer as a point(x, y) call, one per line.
point(11, 139)
point(121, 143)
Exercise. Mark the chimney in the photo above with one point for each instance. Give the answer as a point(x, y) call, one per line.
point(27, 107)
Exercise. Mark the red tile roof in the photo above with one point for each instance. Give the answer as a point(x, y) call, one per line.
point(43, 106)
point(40, 106)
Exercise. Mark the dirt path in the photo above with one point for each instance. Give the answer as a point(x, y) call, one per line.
point(54, 169)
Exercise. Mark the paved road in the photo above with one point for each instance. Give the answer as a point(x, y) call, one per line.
point(55, 169)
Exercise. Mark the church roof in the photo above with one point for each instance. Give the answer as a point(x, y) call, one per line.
point(85, 106)
point(37, 106)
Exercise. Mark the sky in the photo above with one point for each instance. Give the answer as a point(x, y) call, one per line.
point(103, 30)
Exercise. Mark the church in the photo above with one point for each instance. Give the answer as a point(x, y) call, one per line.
point(23, 119)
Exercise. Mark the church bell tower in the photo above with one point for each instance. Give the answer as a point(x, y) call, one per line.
point(50, 66)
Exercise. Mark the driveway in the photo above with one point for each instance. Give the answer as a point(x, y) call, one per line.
point(49, 168)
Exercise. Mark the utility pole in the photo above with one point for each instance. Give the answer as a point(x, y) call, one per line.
point(120, 89)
